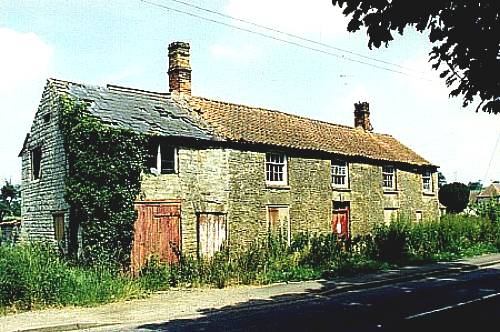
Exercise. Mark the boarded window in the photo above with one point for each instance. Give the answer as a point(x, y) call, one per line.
point(390, 215)
point(36, 159)
point(279, 222)
point(212, 233)
point(340, 219)
point(58, 227)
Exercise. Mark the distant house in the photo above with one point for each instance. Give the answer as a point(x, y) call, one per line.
point(221, 171)
point(492, 192)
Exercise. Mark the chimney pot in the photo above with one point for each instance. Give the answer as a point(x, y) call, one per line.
point(362, 116)
point(179, 68)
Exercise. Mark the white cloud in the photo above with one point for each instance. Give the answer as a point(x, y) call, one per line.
point(240, 53)
point(25, 62)
point(292, 16)
point(24, 58)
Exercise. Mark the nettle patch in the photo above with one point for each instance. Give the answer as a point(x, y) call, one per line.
point(103, 179)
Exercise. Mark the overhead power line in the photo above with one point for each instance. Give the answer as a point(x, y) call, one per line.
point(176, 10)
point(291, 35)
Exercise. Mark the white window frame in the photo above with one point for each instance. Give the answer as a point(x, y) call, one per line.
point(427, 181)
point(389, 174)
point(339, 169)
point(283, 164)
point(158, 168)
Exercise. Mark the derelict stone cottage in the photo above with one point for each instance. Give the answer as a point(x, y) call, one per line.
point(227, 172)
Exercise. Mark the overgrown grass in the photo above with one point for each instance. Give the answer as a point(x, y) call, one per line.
point(34, 276)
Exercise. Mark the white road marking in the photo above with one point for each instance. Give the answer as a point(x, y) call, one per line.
point(482, 298)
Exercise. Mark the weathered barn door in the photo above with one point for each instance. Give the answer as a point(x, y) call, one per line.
point(212, 232)
point(157, 233)
point(340, 219)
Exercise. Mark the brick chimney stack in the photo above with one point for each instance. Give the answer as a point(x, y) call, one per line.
point(179, 68)
point(362, 116)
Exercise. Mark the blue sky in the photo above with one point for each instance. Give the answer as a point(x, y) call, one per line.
point(124, 43)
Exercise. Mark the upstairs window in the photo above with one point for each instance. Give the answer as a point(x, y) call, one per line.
point(340, 174)
point(162, 159)
point(389, 177)
point(276, 168)
point(427, 181)
point(36, 160)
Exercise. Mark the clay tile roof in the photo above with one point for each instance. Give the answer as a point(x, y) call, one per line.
point(247, 124)
point(492, 190)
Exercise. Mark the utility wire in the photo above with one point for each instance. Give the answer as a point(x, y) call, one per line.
point(280, 39)
point(491, 159)
point(290, 35)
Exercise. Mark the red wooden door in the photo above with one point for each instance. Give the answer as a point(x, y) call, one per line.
point(156, 233)
point(340, 219)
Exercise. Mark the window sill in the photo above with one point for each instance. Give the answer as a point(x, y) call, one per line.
point(428, 193)
point(277, 186)
point(343, 189)
point(391, 191)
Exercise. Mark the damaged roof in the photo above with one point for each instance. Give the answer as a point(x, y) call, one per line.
point(174, 115)
point(141, 111)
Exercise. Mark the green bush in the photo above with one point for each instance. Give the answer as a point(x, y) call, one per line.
point(455, 196)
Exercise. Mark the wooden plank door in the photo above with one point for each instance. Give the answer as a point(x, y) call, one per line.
point(156, 233)
point(340, 219)
point(212, 232)
point(279, 222)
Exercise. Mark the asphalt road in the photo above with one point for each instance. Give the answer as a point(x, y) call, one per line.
point(458, 302)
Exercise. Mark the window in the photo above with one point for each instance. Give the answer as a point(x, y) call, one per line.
point(58, 227)
point(46, 118)
point(162, 158)
point(36, 159)
point(390, 215)
point(418, 216)
point(340, 174)
point(276, 168)
point(279, 222)
point(389, 177)
point(212, 232)
point(427, 181)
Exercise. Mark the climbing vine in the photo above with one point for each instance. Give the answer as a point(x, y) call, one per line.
point(103, 179)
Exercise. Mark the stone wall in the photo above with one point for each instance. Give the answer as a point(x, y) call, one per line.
point(44, 197)
point(233, 181)
point(201, 183)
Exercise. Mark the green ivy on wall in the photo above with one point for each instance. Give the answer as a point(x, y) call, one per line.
point(102, 183)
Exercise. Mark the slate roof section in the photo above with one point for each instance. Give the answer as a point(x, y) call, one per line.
point(240, 123)
point(137, 110)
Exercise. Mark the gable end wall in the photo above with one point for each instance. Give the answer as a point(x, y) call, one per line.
point(44, 197)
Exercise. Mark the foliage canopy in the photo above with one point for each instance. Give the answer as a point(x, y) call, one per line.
point(465, 36)
point(455, 196)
